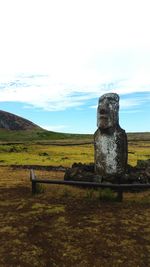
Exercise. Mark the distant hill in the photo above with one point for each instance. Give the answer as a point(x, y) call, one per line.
point(14, 128)
point(13, 122)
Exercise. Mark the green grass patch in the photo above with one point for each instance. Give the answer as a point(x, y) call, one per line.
point(54, 155)
point(40, 135)
point(65, 155)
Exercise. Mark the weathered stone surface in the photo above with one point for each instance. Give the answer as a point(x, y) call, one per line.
point(110, 141)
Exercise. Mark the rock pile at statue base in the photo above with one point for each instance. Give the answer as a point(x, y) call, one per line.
point(85, 172)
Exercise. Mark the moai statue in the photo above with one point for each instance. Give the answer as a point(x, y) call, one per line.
point(110, 140)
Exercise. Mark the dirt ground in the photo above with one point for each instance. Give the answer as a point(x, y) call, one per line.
point(65, 226)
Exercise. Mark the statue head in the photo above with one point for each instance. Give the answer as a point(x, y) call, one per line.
point(107, 112)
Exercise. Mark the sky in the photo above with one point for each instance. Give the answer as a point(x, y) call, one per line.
point(57, 57)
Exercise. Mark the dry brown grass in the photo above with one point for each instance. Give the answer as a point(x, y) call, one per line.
point(62, 227)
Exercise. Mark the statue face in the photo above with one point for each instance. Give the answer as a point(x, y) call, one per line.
point(107, 113)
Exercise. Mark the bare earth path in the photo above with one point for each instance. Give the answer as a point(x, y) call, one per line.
point(65, 227)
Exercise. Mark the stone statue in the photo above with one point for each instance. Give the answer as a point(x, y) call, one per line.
point(110, 141)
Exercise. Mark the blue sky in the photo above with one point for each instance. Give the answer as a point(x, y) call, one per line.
point(58, 57)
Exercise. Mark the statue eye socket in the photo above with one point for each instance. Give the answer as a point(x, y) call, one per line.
point(103, 111)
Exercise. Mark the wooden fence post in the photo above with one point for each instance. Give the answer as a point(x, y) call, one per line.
point(120, 195)
point(32, 178)
point(33, 187)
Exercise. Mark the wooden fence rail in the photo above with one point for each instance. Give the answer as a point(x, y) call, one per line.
point(119, 188)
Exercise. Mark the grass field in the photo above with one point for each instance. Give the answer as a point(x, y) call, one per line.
point(65, 155)
point(44, 136)
point(45, 154)
point(66, 226)
point(40, 135)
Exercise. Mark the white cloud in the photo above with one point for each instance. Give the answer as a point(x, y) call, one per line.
point(43, 91)
point(54, 127)
point(132, 102)
point(60, 54)
point(61, 36)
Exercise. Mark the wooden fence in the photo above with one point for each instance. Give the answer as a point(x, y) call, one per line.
point(119, 188)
